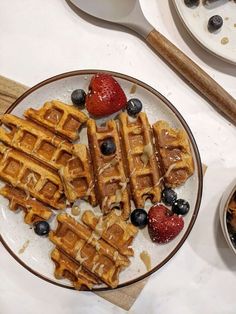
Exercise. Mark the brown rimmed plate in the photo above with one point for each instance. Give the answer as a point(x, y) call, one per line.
point(14, 234)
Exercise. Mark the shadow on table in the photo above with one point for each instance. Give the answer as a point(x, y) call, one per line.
point(202, 54)
point(207, 239)
point(225, 252)
point(221, 256)
point(98, 22)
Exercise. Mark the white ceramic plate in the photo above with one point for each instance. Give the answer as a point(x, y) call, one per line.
point(36, 257)
point(196, 19)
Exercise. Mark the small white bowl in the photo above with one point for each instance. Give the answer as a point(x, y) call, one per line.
point(224, 204)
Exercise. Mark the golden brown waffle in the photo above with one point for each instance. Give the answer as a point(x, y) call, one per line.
point(34, 210)
point(62, 119)
point(77, 176)
point(174, 153)
point(109, 172)
point(143, 171)
point(114, 230)
point(35, 179)
point(87, 248)
point(36, 141)
point(68, 268)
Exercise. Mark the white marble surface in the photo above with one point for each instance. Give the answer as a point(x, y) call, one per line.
point(42, 38)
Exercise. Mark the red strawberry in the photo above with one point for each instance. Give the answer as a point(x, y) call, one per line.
point(105, 95)
point(163, 225)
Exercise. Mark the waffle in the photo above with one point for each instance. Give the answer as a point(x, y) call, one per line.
point(36, 141)
point(109, 171)
point(174, 153)
point(72, 160)
point(77, 176)
point(62, 119)
point(114, 230)
point(89, 249)
point(68, 268)
point(142, 167)
point(34, 210)
point(23, 172)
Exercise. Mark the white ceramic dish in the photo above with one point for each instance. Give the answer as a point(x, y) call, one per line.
point(224, 203)
point(36, 257)
point(196, 19)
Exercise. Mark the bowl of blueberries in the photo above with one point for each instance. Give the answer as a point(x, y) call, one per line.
point(227, 211)
point(212, 24)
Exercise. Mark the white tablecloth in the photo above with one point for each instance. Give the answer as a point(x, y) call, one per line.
point(41, 38)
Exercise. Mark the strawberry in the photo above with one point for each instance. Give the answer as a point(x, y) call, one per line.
point(163, 225)
point(105, 96)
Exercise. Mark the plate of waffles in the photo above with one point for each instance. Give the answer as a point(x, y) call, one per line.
point(100, 180)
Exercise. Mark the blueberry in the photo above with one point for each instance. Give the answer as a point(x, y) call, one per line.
point(134, 106)
point(41, 228)
point(78, 97)
point(168, 196)
point(139, 218)
point(191, 3)
point(180, 207)
point(215, 23)
point(108, 147)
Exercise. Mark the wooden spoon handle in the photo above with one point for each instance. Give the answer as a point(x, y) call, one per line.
point(209, 88)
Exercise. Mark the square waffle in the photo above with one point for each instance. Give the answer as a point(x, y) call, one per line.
point(36, 141)
point(35, 179)
point(65, 267)
point(114, 230)
point(77, 176)
point(174, 153)
point(72, 161)
point(109, 171)
point(143, 171)
point(60, 118)
point(18, 199)
point(88, 248)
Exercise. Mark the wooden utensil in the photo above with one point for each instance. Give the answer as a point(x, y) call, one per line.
point(129, 14)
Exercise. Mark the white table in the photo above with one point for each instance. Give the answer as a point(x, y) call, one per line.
point(42, 38)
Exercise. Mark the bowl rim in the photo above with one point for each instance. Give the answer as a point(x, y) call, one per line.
point(225, 209)
point(197, 38)
point(194, 147)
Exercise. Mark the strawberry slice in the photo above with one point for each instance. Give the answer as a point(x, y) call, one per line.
point(105, 95)
point(163, 225)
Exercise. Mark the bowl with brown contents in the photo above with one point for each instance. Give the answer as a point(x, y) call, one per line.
point(228, 215)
